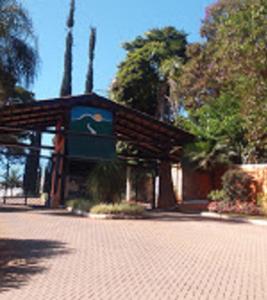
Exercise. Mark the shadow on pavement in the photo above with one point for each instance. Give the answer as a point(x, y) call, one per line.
point(60, 213)
point(21, 259)
point(13, 208)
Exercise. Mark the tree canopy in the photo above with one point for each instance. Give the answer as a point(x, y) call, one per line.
point(145, 78)
point(216, 89)
point(232, 64)
point(18, 48)
point(66, 85)
point(89, 83)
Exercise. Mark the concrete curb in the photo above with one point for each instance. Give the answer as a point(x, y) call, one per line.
point(208, 215)
point(115, 217)
point(81, 213)
point(232, 218)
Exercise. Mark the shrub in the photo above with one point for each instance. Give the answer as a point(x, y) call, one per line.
point(237, 186)
point(262, 202)
point(81, 204)
point(106, 181)
point(122, 208)
point(241, 208)
point(44, 197)
point(217, 195)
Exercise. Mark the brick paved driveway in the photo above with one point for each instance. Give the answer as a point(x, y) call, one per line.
point(53, 256)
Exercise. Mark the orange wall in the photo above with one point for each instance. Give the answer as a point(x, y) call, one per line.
point(196, 185)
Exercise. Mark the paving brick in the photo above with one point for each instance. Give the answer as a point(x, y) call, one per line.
point(51, 255)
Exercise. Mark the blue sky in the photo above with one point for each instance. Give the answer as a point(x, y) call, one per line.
point(117, 21)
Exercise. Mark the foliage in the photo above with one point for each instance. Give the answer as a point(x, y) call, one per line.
point(217, 195)
point(44, 197)
point(123, 208)
point(82, 204)
point(106, 181)
point(18, 48)
point(244, 208)
point(89, 85)
point(22, 95)
point(70, 20)
point(145, 79)
point(219, 132)
point(66, 85)
point(232, 58)
point(11, 180)
point(262, 202)
point(237, 185)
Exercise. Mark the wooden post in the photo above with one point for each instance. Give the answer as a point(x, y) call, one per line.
point(65, 161)
point(167, 197)
point(58, 168)
point(128, 183)
point(153, 204)
point(25, 199)
point(7, 177)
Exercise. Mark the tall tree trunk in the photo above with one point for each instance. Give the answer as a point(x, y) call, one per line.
point(161, 101)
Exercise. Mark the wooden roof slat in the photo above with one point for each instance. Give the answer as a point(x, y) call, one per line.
point(152, 134)
point(177, 134)
point(142, 141)
point(29, 118)
point(148, 133)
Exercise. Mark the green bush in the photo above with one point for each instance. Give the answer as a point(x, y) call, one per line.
point(262, 202)
point(106, 181)
point(81, 204)
point(44, 197)
point(237, 186)
point(217, 195)
point(122, 208)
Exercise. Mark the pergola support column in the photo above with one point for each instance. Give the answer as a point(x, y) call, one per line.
point(166, 197)
point(128, 183)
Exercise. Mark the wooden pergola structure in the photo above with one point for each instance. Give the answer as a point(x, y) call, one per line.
point(153, 139)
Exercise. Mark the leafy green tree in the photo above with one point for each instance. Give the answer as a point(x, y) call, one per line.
point(18, 48)
point(232, 58)
point(143, 80)
point(220, 137)
point(13, 180)
point(66, 85)
point(89, 85)
point(9, 158)
point(106, 181)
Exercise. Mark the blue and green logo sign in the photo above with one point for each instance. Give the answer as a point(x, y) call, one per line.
point(99, 142)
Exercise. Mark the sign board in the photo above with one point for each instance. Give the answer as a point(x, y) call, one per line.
point(99, 143)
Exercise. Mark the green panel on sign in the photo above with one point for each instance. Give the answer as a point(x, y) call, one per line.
point(97, 122)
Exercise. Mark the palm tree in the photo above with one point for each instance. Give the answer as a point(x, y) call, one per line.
point(18, 48)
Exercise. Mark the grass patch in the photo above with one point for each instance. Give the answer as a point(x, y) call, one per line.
point(122, 208)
